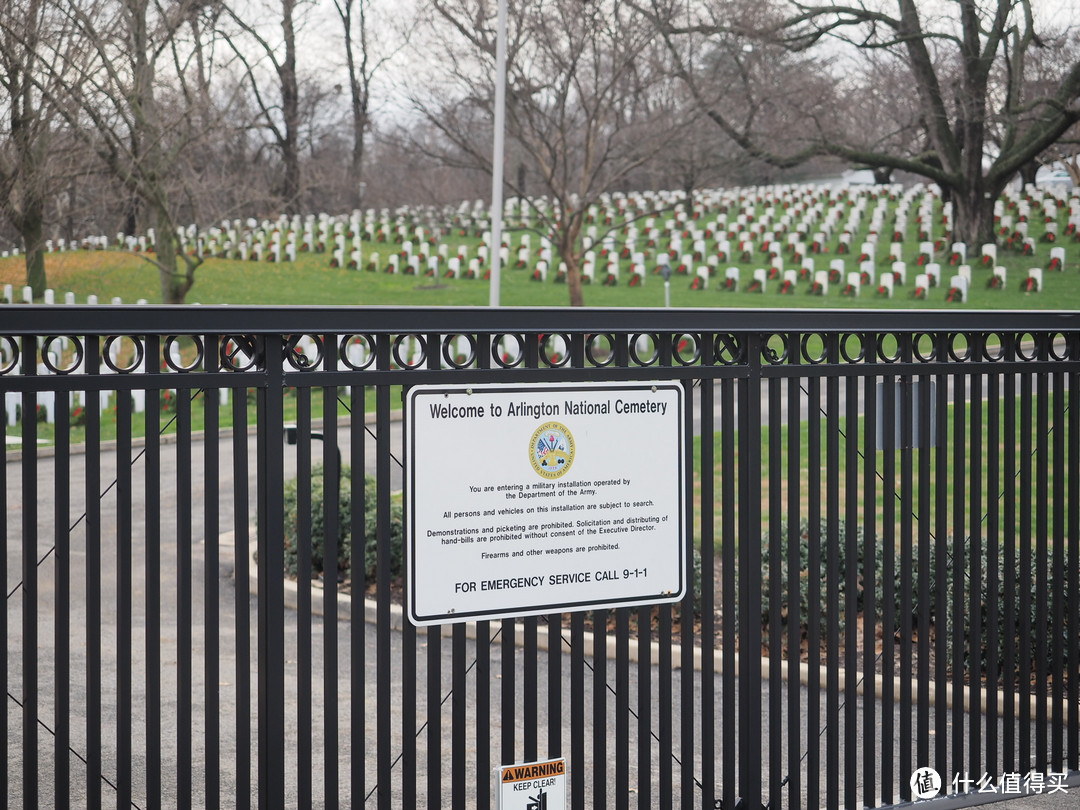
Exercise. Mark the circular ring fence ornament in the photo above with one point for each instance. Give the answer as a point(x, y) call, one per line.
point(238, 352)
point(77, 354)
point(350, 345)
point(1053, 340)
point(298, 358)
point(138, 353)
point(771, 355)
point(727, 350)
point(954, 354)
point(845, 340)
point(999, 341)
point(556, 359)
point(679, 344)
point(593, 350)
point(916, 346)
point(1030, 338)
point(804, 347)
point(11, 349)
point(882, 356)
point(452, 358)
point(500, 354)
point(421, 358)
point(173, 342)
point(653, 339)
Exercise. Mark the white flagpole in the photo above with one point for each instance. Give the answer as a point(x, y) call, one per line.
point(497, 155)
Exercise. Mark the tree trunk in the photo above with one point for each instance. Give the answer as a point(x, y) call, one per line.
point(973, 215)
point(882, 175)
point(568, 240)
point(174, 285)
point(290, 110)
point(1028, 172)
point(31, 229)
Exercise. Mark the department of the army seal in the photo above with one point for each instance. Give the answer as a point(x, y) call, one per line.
point(551, 450)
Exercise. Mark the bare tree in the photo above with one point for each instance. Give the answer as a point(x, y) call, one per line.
point(580, 91)
point(137, 102)
point(279, 106)
point(364, 60)
point(26, 123)
point(967, 69)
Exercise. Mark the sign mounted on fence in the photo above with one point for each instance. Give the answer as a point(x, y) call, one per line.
point(527, 499)
point(532, 786)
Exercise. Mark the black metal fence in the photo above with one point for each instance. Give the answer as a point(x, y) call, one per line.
point(885, 519)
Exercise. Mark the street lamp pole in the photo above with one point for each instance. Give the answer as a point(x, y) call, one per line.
point(497, 155)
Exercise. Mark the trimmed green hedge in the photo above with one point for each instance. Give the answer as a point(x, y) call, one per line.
point(344, 541)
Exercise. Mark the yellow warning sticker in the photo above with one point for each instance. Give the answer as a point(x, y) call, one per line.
point(533, 770)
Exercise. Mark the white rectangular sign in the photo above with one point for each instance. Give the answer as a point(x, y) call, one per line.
point(532, 786)
point(527, 499)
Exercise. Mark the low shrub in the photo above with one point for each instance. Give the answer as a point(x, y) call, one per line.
point(345, 549)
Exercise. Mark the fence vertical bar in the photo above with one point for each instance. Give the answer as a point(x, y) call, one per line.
point(1009, 472)
point(382, 576)
point(689, 711)
point(993, 563)
point(888, 581)
point(577, 709)
point(622, 709)
point(975, 547)
point(599, 696)
point(851, 579)
point(957, 566)
point(459, 706)
point(271, 586)
point(304, 555)
point(184, 610)
point(5, 776)
point(434, 715)
point(123, 598)
point(152, 565)
point(93, 579)
point(357, 628)
point(922, 754)
point(62, 609)
point(794, 579)
point(813, 594)
point(729, 475)
point(331, 516)
point(483, 715)
point(1058, 627)
point(508, 697)
point(29, 583)
point(644, 708)
point(1074, 561)
point(1042, 560)
point(871, 585)
point(941, 552)
point(1024, 578)
point(907, 554)
point(211, 617)
point(750, 576)
point(242, 621)
point(832, 579)
point(708, 584)
point(776, 584)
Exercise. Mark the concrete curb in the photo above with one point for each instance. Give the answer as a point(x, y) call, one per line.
point(696, 656)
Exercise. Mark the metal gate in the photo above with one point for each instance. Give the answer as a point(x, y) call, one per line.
point(884, 546)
